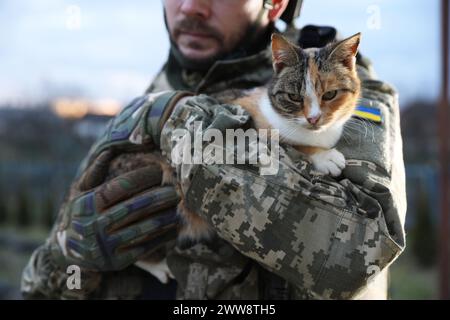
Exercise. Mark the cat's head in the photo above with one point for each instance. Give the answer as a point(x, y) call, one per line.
point(317, 87)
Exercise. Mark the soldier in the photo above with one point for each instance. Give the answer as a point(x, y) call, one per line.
point(293, 235)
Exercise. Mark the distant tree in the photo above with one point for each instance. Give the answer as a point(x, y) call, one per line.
point(48, 210)
point(3, 207)
point(422, 238)
point(23, 208)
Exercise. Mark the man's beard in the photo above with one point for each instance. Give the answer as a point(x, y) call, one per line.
point(193, 24)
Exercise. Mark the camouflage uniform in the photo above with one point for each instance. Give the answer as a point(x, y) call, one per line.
point(297, 234)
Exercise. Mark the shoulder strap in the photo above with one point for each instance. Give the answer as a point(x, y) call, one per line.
point(316, 36)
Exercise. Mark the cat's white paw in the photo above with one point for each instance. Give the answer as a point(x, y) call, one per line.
point(329, 162)
point(159, 269)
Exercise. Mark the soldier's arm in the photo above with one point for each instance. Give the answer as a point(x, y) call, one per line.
point(328, 236)
point(102, 214)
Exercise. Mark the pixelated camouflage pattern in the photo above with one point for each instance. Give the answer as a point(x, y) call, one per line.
point(205, 271)
point(326, 237)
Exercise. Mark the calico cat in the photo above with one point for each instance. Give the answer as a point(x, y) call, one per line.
point(312, 95)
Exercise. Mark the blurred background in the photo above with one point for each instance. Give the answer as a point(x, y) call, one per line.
point(67, 66)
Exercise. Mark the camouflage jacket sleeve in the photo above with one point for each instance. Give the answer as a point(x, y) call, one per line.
point(330, 237)
point(133, 129)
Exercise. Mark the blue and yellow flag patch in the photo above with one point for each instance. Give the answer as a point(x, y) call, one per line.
point(368, 113)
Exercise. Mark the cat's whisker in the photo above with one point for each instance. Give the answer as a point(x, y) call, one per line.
point(369, 125)
point(344, 135)
point(350, 131)
point(357, 124)
point(356, 131)
point(354, 127)
point(293, 120)
point(373, 131)
point(361, 124)
point(357, 127)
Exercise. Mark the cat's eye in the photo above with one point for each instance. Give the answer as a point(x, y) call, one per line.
point(329, 95)
point(295, 97)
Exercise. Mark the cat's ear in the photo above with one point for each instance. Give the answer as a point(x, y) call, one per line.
point(345, 51)
point(283, 53)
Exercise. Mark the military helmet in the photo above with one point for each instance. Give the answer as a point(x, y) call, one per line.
point(292, 10)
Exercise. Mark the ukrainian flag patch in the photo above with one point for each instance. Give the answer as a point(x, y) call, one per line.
point(368, 113)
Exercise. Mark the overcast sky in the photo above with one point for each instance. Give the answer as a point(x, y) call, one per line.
point(112, 49)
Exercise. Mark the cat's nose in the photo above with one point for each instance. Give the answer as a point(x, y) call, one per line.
point(313, 120)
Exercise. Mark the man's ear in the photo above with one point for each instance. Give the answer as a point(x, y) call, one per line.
point(278, 8)
point(283, 53)
point(345, 51)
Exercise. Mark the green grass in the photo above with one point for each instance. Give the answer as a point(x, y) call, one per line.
point(409, 281)
point(12, 262)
